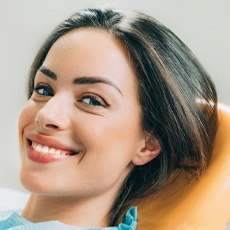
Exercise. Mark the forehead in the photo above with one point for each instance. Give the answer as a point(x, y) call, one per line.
point(92, 46)
point(91, 52)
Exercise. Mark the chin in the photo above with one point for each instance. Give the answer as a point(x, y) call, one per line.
point(33, 183)
point(37, 184)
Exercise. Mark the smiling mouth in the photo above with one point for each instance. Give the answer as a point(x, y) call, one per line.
point(44, 149)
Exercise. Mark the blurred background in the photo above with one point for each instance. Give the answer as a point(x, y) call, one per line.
point(204, 25)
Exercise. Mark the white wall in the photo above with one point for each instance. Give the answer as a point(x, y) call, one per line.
point(204, 25)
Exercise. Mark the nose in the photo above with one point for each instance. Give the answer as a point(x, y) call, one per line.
point(54, 115)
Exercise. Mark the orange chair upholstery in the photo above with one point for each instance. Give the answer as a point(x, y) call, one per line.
point(203, 204)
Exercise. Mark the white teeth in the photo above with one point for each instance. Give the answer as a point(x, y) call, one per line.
point(52, 150)
point(39, 147)
point(58, 152)
point(45, 149)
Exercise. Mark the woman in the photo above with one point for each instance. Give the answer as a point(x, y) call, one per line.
point(116, 103)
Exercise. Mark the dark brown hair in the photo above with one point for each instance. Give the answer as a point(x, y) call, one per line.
point(177, 96)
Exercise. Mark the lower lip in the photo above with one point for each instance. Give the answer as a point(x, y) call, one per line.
point(44, 157)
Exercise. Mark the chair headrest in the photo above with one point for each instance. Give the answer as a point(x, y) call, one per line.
point(201, 204)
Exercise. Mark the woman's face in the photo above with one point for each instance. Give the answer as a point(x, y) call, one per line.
point(80, 130)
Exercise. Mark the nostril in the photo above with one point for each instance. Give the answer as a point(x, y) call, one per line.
point(51, 126)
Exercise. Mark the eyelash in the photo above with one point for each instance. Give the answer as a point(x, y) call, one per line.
point(97, 100)
point(44, 87)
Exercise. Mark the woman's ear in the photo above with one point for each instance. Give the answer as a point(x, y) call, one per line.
point(151, 149)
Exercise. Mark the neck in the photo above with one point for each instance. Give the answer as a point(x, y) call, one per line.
point(68, 210)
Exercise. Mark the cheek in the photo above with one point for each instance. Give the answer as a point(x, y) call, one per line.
point(118, 134)
point(26, 117)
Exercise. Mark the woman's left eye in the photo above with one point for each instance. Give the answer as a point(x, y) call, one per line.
point(93, 101)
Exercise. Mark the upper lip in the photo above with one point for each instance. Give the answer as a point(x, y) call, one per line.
point(50, 142)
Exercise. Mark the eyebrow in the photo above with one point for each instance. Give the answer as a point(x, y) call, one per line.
point(95, 80)
point(48, 72)
point(81, 80)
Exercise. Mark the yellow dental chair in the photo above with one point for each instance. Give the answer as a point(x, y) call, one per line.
point(202, 204)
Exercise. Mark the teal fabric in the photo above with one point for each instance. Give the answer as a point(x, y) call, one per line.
point(17, 222)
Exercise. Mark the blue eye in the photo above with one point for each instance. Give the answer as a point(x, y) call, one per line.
point(93, 101)
point(44, 90)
